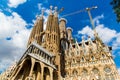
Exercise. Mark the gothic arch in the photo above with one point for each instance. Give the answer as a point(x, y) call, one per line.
point(95, 74)
point(92, 58)
point(82, 59)
point(103, 55)
point(84, 74)
point(84, 71)
point(75, 72)
point(95, 70)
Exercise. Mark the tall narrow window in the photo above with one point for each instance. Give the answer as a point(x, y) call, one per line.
point(92, 57)
point(103, 55)
point(77, 52)
point(82, 59)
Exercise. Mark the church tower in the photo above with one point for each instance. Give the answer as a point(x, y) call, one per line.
point(36, 34)
point(52, 39)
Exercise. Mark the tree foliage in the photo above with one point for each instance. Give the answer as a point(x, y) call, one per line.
point(116, 8)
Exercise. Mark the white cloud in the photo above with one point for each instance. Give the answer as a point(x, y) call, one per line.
point(96, 19)
point(15, 27)
point(15, 3)
point(104, 33)
point(11, 24)
point(0, 10)
point(86, 30)
point(116, 43)
point(39, 6)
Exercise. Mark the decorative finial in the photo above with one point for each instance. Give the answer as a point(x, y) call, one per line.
point(51, 10)
point(42, 12)
point(82, 37)
point(51, 7)
point(37, 16)
point(89, 37)
point(76, 40)
point(56, 13)
point(55, 9)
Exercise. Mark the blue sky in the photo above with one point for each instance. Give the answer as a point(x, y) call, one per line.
point(18, 16)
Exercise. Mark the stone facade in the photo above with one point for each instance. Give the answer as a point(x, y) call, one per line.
point(53, 54)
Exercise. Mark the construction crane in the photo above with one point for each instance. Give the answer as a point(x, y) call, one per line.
point(84, 10)
point(91, 20)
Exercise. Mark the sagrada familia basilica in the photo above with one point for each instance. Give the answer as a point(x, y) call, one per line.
point(53, 54)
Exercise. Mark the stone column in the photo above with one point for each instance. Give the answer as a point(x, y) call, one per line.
point(38, 76)
point(42, 70)
point(32, 67)
point(17, 73)
point(51, 73)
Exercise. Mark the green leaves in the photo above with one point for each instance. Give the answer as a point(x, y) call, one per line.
point(116, 8)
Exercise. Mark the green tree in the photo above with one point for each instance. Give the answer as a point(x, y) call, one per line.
point(116, 8)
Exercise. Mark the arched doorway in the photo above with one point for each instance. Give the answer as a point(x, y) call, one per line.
point(46, 75)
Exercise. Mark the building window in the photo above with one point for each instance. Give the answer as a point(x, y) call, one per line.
point(77, 52)
point(82, 59)
point(103, 56)
point(75, 72)
point(84, 72)
point(92, 57)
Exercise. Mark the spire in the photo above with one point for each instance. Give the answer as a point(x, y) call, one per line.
point(97, 38)
point(83, 42)
point(52, 33)
point(84, 46)
point(89, 40)
point(42, 14)
point(36, 31)
point(49, 21)
point(56, 13)
point(55, 37)
point(48, 30)
point(50, 12)
point(76, 44)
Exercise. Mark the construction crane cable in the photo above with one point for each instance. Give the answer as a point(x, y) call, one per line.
point(73, 13)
